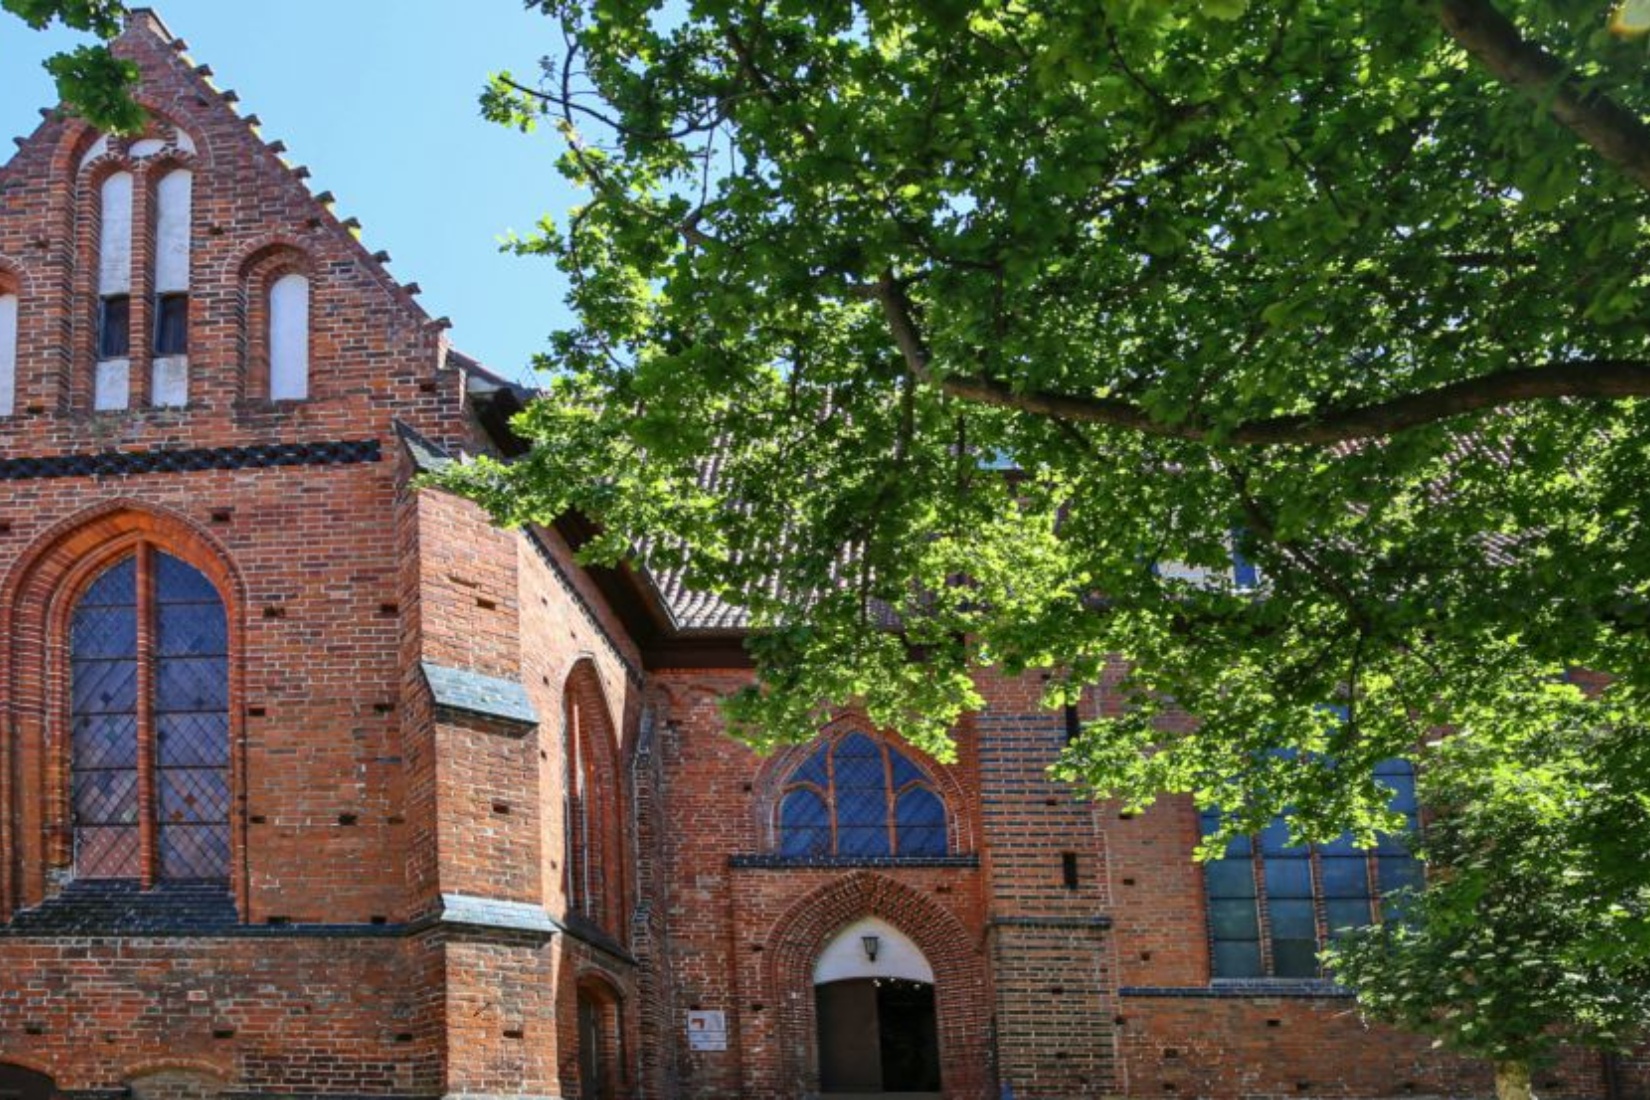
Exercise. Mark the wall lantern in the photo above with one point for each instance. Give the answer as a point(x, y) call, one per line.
point(872, 945)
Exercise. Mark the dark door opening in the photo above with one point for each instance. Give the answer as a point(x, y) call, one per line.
point(593, 1076)
point(17, 1083)
point(877, 1035)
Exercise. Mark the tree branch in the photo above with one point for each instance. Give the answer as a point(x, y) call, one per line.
point(1614, 132)
point(1606, 378)
point(1582, 378)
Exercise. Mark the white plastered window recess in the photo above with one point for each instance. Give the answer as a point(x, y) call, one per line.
point(289, 338)
point(8, 352)
point(112, 385)
point(169, 369)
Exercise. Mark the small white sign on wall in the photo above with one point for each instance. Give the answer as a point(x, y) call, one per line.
point(707, 1030)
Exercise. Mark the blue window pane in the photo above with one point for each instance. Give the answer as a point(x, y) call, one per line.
point(1234, 919)
point(1343, 845)
point(178, 582)
point(1229, 878)
point(804, 826)
point(922, 842)
point(187, 629)
point(193, 795)
point(116, 587)
point(904, 771)
point(103, 632)
point(1345, 877)
point(1244, 573)
point(861, 840)
point(920, 817)
point(858, 763)
point(1398, 776)
point(1237, 959)
point(1392, 844)
point(813, 770)
point(1345, 913)
point(1209, 820)
point(1396, 872)
point(105, 741)
point(1292, 919)
point(861, 797)
point(191, 683)
point(1295, 958)
point(1288, 878)
point(192, 740)
point(104, 687)
point(1274, 840)
point(105, 797)
point(194, 851)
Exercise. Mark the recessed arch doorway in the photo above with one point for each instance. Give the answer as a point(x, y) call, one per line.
point(874, 1008)
point(19, 1083)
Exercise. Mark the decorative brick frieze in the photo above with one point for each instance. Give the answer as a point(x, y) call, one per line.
point(187, 460)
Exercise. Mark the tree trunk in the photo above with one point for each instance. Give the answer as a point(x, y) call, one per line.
point(1512, 1081)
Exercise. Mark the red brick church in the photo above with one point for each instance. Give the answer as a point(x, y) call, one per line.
point(313, 783)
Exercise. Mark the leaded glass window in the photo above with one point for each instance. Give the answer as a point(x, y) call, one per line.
point(860, 797)
point(149, 711)
point(1274, 905)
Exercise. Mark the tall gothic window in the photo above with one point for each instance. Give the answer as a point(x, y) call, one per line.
point(1274, 905)
point(857, 796)
point(149, 706)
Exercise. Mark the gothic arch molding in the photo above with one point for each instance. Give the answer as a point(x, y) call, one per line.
point(35, 603)
point(796, 939)
point(596, 800)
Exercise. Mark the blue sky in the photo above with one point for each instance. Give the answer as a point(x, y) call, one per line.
point(378, 98)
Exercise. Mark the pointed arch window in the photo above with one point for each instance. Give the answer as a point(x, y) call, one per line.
point(149, 723)
point(289, 338)
point(860, 797)
point(8, 352)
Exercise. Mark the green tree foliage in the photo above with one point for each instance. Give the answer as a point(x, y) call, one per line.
point(1516, 942)
point(1358, 285)
point(90, 80)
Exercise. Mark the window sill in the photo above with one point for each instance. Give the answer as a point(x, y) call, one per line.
point(1244, 988)
point(771, 862)
point(120, 908)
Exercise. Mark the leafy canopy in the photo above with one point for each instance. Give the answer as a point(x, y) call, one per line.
point(90, 80)
point(980, 312)
point(1515, 944)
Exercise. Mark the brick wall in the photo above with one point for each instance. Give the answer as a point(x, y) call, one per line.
point(321, 981)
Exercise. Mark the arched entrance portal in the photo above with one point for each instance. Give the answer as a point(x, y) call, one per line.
point(17, 1083)
point(874, 1008)
point(601, 1033)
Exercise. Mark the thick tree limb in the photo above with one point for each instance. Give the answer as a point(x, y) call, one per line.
point(1605, 378)
point(1586, 378)
point(1614, 132)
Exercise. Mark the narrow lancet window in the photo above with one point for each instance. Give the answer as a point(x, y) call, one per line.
point(8, 354)
point(289, 338)
point(112, 384)
point(170, 376)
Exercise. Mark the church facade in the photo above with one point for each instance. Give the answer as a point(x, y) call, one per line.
point(314, 783)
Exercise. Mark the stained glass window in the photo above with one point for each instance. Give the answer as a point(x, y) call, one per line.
point(149, 703)
point(857, 796)
point(1273, 905)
